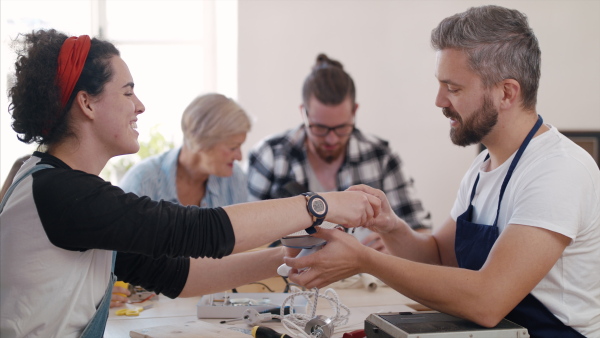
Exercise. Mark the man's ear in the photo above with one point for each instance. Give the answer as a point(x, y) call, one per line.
point(355, 108)
point(511, 93)
point(83, 100)
point(303, 112)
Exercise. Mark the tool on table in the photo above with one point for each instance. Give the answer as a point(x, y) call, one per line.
point(355, 334)
point(123, 285)
point(267, 332)
point(320, 326)
point(231, 320)
point(253, 317)
point(137, 294)
point(133, 312)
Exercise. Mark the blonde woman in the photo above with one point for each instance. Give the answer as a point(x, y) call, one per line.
point(204, 170)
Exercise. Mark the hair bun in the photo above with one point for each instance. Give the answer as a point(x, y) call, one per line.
point(323, 61)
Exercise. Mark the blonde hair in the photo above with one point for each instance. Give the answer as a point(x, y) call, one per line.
point(210, 119)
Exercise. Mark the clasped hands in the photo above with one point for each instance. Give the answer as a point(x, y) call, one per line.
point(343, 254)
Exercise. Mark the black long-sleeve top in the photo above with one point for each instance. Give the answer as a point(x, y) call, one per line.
point(154, 239)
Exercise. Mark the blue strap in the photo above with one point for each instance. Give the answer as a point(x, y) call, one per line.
point(14, 184)
point(97, 325)
point(511, 168)
point(514, 162)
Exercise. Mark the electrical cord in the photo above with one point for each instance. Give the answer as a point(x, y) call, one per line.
point(234, 290)
point(289, 285)
point(296, 323)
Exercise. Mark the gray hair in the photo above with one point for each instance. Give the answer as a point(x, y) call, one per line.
point(499, 44)
point(210, 119)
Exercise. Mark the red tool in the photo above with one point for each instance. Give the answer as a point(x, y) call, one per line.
point(355, 334)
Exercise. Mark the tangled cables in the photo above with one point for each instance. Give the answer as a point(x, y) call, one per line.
point(309, 325)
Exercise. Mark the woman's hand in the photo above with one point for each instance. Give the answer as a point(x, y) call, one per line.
point(290, 252)
point(352, 208)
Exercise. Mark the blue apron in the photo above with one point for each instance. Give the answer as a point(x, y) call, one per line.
point(95, 327)
point(474, 243)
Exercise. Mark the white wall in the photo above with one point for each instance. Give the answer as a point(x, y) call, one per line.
point(384, 45)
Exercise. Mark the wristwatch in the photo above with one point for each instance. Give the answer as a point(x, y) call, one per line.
point(317, 208)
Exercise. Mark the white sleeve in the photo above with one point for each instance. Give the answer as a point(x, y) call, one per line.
point(554, 194)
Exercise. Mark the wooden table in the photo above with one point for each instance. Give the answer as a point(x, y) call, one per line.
point(178, 318)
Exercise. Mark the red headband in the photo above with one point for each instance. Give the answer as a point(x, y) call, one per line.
point(71, 60)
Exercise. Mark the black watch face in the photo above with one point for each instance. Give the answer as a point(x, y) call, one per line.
point(318, 206)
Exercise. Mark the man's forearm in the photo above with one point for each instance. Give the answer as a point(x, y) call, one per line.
point(412, 245)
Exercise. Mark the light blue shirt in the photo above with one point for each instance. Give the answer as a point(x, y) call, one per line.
point(155, 177)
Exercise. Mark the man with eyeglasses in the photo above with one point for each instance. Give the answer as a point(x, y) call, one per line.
point(328, 153)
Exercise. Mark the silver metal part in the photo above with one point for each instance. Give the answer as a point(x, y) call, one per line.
point(320, 327)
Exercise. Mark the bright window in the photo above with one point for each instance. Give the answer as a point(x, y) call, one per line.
point(175, 51)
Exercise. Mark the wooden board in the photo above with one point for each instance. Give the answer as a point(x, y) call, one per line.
point(192, 329)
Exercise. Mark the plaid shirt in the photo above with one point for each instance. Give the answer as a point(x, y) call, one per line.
point(282, 158)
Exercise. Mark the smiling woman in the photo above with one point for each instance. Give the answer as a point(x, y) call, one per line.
point(74, 97)
point(119, 125)
point(204, 171)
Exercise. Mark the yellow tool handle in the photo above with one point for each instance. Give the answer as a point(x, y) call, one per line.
point(123, 285)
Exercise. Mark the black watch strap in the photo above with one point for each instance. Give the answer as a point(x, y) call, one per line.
point(317, 208)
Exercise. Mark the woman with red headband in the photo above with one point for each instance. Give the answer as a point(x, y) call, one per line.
point(62, 224)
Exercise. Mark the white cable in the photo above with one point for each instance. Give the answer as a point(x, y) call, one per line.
point(295, 323)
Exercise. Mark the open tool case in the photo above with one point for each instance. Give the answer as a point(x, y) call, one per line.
point(233, 305)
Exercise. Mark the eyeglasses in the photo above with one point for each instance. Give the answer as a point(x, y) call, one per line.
point(321, 130)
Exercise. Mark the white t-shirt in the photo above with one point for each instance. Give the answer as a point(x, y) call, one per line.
point(60, 289)
point(555, 186)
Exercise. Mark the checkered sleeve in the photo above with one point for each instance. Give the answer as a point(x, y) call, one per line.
point(401, 194)
point(260, 172)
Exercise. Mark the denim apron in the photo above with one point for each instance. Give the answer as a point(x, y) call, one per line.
point(472, 247)
point(95, 328)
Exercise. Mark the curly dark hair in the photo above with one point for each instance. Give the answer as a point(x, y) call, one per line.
point(328, 82)
point(35, 96)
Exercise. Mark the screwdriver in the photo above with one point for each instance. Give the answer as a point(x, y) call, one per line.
point(355, 334)
point(277, 310)
point(267, 332)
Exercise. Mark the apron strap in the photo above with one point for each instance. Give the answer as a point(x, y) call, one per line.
point(14, 184)
point(96, 326)
point(514, 162)
point(474, 189)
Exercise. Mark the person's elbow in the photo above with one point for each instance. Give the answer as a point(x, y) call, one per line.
point(488, 314)
point(489, 320)
point(486, 303)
